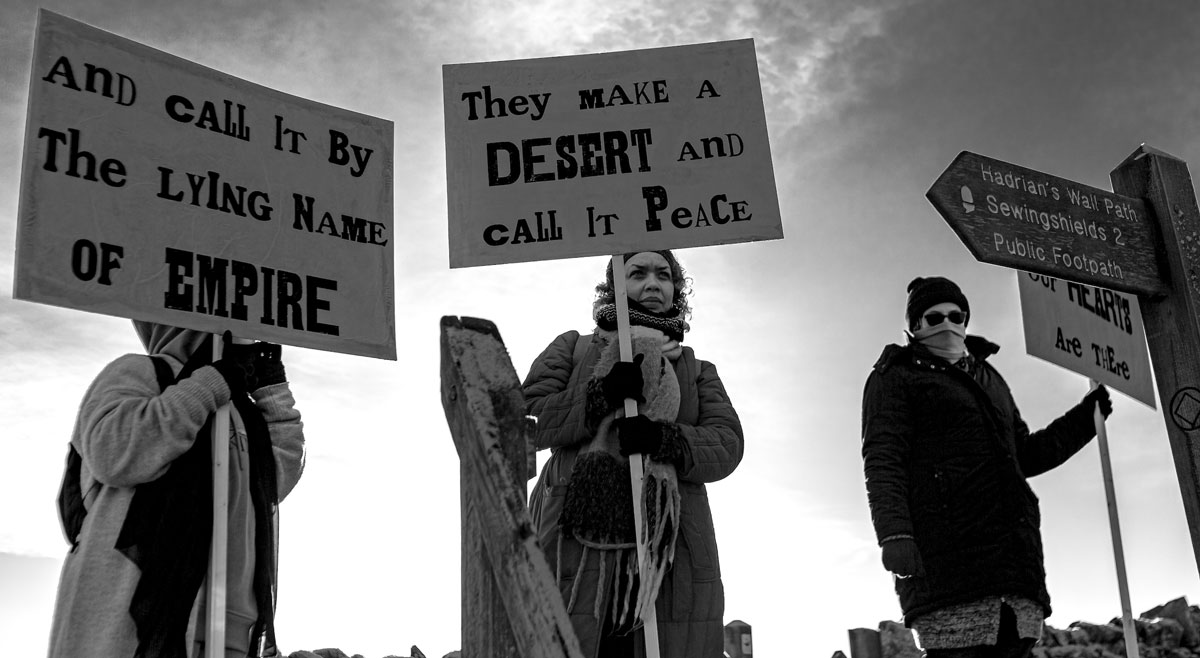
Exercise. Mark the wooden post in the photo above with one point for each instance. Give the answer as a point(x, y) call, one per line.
point(1173, 321)
point(511, 606)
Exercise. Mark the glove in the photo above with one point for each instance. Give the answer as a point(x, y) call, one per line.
point(1099, 395)
point(268, 369)
point(638, 434)
point(901, 557)
point(623, 381)
point(236, 365)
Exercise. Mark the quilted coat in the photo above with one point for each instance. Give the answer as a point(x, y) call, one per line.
point(690, 605)
point(946, 455)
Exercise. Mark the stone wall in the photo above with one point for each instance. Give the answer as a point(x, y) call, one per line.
point(1171, 630)
point(338, 653)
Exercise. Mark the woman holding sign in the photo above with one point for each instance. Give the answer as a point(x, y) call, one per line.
point(946, 455)
point(136, 501)
point(582, 505)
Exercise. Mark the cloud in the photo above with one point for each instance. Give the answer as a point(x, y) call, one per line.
point(806, 52)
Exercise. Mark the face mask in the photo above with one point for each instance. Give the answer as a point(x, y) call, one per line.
point(947, 340)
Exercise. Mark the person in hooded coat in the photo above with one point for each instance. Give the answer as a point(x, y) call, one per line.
point(700, 444)
point(131, 584)
point(946, 456)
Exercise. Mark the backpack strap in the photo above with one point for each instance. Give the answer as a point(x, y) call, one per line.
point(71, 511)
point(163, 370)
point(582, 343)
point(70, 499)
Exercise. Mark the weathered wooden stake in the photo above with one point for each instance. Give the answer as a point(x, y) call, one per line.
point(511, 607)
point(1172, 321)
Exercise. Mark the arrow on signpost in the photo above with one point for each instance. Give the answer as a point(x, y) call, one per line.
point(1017, 217)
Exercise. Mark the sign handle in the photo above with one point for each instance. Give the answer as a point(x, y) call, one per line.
point(217, 553)
point(1131, 643)
point(635, 461)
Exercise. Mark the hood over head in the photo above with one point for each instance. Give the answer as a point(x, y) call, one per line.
point(175, 342)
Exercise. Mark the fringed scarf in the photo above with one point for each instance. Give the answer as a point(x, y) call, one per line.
point(168, 529)
point(598, 507)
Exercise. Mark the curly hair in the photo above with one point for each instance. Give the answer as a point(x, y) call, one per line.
point(606, 291)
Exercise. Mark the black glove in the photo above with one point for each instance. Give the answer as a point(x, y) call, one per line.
point(638, 434)
point(901, 557)
point(236, 365)
point(1099, 395)
point(623, 381)
point(268, 369)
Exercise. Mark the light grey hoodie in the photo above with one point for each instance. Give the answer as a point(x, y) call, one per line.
point(128, 432)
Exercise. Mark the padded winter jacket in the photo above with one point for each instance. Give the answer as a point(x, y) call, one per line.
point(691, 603)
point(946, 455)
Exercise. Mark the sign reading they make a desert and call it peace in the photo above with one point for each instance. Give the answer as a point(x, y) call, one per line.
point(604, 154)
point(157, 189)
point(1020, 218)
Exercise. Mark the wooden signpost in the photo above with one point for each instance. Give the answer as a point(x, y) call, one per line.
point(1016, 217)
point(511, 607)
point(1142, 240)
point(1173, 320)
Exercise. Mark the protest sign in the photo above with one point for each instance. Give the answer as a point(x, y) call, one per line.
point(609, 153)
point(1091, 331)
point(157, 189)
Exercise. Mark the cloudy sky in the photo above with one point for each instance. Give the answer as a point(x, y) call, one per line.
point(866, 105)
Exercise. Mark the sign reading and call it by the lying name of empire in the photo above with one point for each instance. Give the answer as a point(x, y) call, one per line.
point(1017, 217)
point(603, 154)
point(157, 189)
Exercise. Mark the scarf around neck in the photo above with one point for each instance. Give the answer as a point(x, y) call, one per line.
point(670, 323)
point(945, 340)
point(168, 529)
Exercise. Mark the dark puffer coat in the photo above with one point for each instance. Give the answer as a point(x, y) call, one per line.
point(946, 455)
point(691, 603)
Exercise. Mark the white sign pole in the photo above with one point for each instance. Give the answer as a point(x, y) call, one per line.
point(214, 638)
point(635, 460)
point(1131, 644)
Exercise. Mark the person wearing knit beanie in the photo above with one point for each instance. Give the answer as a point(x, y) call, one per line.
point(937, 312)
point(946, 455)
point(926, 292)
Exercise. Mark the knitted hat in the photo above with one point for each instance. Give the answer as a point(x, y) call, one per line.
point(926, 292)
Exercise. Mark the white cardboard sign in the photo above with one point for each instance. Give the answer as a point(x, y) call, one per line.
point(157, 189)
point(604, 154)
point(1092, 331)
